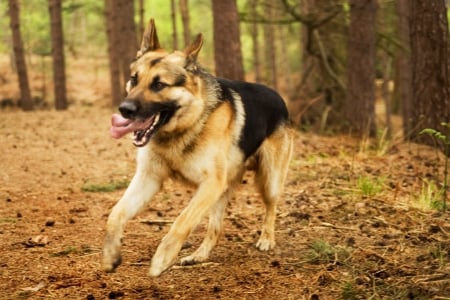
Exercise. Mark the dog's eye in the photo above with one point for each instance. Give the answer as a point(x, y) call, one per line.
point(158, 86)
point(134, 80)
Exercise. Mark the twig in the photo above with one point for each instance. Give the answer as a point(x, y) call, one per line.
point(205, 264)
point(156, 222)
point(325, 224)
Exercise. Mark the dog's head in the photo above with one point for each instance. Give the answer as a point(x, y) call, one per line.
point(163, 93)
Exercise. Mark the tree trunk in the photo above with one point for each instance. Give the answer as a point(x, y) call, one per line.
point(173, 16)
point(113, 52)
point(25, 95)
point(184, 11)
point(430, 75)
point(386, 95)
point(318, 97)
point(128, 41)
point(254, 32)
point(59, 76)
point(227, 44)
point(141, 18)
point(360, 105)
point(403, 84)
point(270, 48)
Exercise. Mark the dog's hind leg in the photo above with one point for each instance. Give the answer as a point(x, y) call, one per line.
point(273, 162)
point(141, 189)
point(215, 227)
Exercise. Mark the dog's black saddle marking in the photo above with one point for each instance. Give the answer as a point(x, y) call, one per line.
point(264, 109)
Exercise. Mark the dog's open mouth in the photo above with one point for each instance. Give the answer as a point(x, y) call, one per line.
point(142, 129)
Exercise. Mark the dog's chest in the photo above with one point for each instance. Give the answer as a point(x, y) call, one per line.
point(192, 167)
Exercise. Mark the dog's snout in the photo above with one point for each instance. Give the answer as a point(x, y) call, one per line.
point(129, 109)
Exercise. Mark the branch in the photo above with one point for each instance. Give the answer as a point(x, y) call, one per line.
point(243, 17)
point(309, 19)
point(325, 61)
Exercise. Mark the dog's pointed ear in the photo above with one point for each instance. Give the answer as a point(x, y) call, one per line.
point(150, 40)
point(193, 49)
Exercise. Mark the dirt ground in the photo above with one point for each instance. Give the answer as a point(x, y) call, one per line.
point(355, 221)
point(334, 239)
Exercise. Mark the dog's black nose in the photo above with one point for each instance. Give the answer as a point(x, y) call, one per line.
point(129, 109)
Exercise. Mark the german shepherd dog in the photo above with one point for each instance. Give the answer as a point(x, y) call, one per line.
point(203, 130)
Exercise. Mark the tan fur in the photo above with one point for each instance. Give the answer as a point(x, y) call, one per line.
point(200, 146)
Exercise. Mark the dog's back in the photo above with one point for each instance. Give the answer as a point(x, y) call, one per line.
point(264, 110)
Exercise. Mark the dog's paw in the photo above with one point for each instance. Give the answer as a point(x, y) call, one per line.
point(265, 244)
point(111, 255)
point(110, 264)
point(156, 269)
point(159, 264)
point(190, 260)
point(155, 272)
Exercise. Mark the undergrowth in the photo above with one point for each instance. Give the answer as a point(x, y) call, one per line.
point(105, 187)
point(323, 252)
point(445, 139)
point(369, 186)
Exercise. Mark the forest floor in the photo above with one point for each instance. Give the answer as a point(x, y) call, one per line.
point(358, 220)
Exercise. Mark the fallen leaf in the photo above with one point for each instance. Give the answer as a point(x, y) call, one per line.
point(36, 241)
point(39, 286)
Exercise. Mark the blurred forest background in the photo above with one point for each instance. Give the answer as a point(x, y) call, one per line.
point(364, 67)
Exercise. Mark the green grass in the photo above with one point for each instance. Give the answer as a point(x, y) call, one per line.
point(445, 139)
point(369, 186)
point(105, 187)
point(83, 249)
point(65, 252)
point(323, 252)
point(8, 220)
point(430, 197)
point(348, 291)
point(439, 253)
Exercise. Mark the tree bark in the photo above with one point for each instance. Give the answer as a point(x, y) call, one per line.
point(141, 18)
point(270, 48)
point(113, 52)
point(227, 44)
point(318, 97)
point(360, 105)
point(128, 41)
point(59, 75)
point(430, 74)
point(26, 102)
point(184, 11)
point(403, 84)
point(173, 16)
point(254, 32)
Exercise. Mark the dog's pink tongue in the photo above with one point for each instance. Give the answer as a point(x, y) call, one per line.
point(120, 126)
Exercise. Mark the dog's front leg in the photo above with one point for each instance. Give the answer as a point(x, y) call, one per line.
point(207, 194)
point(141, 189)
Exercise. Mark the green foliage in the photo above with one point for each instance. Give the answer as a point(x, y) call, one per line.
point(84, 249)
point(323, 252)
point(440, 253)
point(84, 25)
point(4, 26)
point(445, 139)
point(7, 220)
point(65, 252)
point(369, 186)
point(437, 134)
point(106, 187)
point(348, 291)
point(430, 197)
point(200, 12)
point(83, 22)
point(35, 26)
